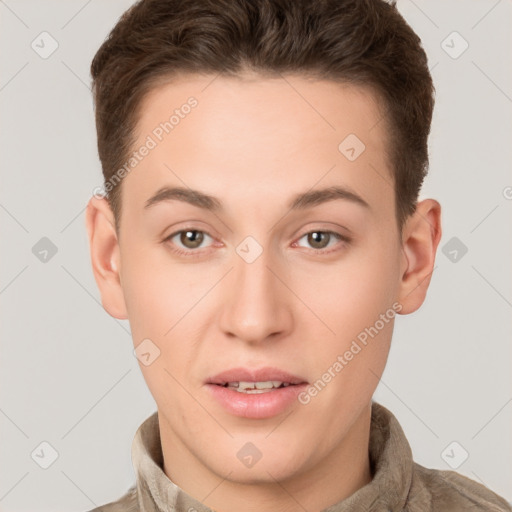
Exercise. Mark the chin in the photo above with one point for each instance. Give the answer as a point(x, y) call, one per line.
point(261, 474)
point(273, 464)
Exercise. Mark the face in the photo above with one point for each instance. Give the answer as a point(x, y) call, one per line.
point(265, 272)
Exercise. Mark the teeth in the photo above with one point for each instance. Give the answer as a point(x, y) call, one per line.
point(255, 387)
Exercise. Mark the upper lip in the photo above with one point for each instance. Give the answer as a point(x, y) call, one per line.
point(255, 375)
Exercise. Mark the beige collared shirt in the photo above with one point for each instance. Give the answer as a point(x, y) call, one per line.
point(398, 483)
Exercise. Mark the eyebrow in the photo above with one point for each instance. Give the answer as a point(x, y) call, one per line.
point(299, 202)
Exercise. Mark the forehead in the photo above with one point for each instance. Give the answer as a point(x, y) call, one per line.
point(271, 135)
point(252, 101)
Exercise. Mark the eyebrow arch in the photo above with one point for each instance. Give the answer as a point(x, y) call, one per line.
point(316, 197)
point(298, 202)
point(188, 195)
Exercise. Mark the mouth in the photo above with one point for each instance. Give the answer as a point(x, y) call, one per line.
point(255, 393)
point(254, 381)
point(255, 387)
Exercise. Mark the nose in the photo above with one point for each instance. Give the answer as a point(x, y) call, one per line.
point(258, 304)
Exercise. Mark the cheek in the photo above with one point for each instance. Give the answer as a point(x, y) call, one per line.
point(352, 295)
point(155, 290)
point(159, 299)
point(350, 300)
point(163, 300)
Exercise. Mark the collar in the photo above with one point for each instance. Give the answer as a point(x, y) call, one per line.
point(390, 459)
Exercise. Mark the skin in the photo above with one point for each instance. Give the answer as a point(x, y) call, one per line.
point(254, 143)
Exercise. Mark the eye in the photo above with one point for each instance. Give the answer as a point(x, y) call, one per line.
point(319, 240)
point(189, 238)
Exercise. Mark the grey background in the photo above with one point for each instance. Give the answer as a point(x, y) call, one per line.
point(68, 374)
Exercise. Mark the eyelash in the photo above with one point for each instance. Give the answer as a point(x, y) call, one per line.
point(197, 252)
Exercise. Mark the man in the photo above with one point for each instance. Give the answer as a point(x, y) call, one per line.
point(261, 231)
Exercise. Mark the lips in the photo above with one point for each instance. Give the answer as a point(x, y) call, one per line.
point(264, 374)
point(253, 393)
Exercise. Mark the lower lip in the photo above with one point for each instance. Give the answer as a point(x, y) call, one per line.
point(256, 405)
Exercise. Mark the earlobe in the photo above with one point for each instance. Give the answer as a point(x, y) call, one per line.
point(421, 235)
point(105, 256)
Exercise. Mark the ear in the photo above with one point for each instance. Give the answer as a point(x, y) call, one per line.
point(105, 256)
point(420, 237)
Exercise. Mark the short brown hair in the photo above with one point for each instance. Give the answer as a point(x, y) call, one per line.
point(363, 42)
